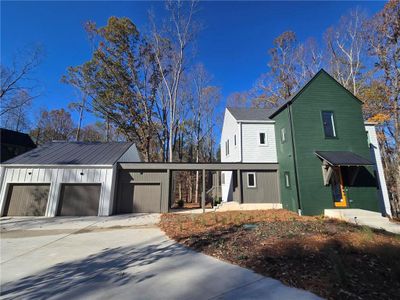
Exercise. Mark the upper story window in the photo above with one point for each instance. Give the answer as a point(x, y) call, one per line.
point(328, 121)
point(234, 139)
point(227, 148)
point(283, 135)
point(262, 138)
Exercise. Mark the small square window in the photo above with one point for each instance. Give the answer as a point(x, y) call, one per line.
point(283, 135)
point(329, 124)
point(262, 138)
point(251, 180)
point(287, 180)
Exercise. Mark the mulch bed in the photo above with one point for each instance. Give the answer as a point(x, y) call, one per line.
point(331, 258)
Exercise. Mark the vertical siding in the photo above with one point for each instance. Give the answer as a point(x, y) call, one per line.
point(266, 190)
point(252, 150)
point(58, 176)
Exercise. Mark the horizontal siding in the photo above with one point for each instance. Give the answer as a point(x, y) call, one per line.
point(230, 127)
point(252, 151)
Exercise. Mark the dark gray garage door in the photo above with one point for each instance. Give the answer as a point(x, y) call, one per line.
point(147, 197)
point(79, 200)
point(27, 200)
point(266, 189)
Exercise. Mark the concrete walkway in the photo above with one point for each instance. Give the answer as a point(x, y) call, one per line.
point(364, 217)
point(121, 257)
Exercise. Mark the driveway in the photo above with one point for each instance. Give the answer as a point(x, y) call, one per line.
point(123, 257)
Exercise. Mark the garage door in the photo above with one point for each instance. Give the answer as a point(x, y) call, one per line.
point(27, 200)
point(147, 198)
point(79, 200)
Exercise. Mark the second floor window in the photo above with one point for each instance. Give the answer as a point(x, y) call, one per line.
point(234, 139)
point(262, 138)
point(328, 121)
point(283, 135)
point(227, 147)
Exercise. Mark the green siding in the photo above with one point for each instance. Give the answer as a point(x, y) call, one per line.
point(286, 162)
point(324, 93)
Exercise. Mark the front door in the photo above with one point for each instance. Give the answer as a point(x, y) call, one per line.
point(338, 190)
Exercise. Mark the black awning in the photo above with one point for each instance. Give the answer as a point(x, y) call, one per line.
point(343, 158)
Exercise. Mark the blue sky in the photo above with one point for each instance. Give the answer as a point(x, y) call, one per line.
point(233, 44)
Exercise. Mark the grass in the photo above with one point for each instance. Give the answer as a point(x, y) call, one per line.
point(333, 259)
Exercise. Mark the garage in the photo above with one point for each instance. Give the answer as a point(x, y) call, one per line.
point(142, 191)
point(64, 179)
point(147, 198)
point(27, 200)
point(79, 200)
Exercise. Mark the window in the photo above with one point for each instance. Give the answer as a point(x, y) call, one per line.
point(329, 124)
point(287, 180)
point(283, 135)
point(223, 178)
point(251, 180)
point(234, 139)
point(227, 148)
point(262, 138)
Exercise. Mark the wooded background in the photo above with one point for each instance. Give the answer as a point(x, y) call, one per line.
point(148, 88)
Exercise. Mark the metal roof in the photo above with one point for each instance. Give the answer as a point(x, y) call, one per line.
point(343, 158)
point(77, 153)
point(250, 113)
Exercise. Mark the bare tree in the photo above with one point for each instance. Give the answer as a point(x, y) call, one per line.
point(171, 44)
point(346, 48)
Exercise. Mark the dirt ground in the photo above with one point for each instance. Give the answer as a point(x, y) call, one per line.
point(330, 258)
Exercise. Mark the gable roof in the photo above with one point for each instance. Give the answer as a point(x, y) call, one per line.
point(77, 153)
point(12, 137)
point(295, 96)
point(250, 113)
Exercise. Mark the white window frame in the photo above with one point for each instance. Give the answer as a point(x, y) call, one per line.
point(255, 180)
point(265, 138)
point(234, 140)
point(227, 148)
point(283, 134)
point(287, 179)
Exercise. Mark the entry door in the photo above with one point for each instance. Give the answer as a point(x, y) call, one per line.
point(338, 190)
point(147, 197)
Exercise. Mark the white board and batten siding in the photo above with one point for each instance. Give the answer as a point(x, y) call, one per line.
point(56, 176)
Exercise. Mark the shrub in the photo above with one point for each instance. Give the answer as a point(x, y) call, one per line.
point(180, 203)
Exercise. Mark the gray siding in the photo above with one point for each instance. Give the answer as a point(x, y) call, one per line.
point(129, 178)
point(266, 190)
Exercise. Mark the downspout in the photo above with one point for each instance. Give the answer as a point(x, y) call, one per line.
point(294, 159)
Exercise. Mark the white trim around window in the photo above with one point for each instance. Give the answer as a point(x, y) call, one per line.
point(252, 184)
point(262, 136)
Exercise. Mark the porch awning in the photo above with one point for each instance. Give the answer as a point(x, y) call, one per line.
point(343, 158)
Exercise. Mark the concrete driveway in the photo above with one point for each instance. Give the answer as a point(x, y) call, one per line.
point(122, 257)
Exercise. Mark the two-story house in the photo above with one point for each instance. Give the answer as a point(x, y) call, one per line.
point(248, 136)
point(327, 156)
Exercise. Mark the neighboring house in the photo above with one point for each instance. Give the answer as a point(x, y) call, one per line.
point(248, 136)
point(375, 155)
point(320, 144)
point(14, 143)
point(64, 179)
